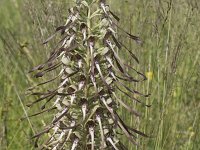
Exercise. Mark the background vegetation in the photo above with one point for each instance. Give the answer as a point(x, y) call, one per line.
point(169, 57)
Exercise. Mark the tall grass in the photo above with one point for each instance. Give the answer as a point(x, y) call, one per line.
point(169, 56)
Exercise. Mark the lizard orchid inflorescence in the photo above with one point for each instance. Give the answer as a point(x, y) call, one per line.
point(91, 76)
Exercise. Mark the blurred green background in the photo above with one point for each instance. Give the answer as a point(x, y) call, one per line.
point(169, 57)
